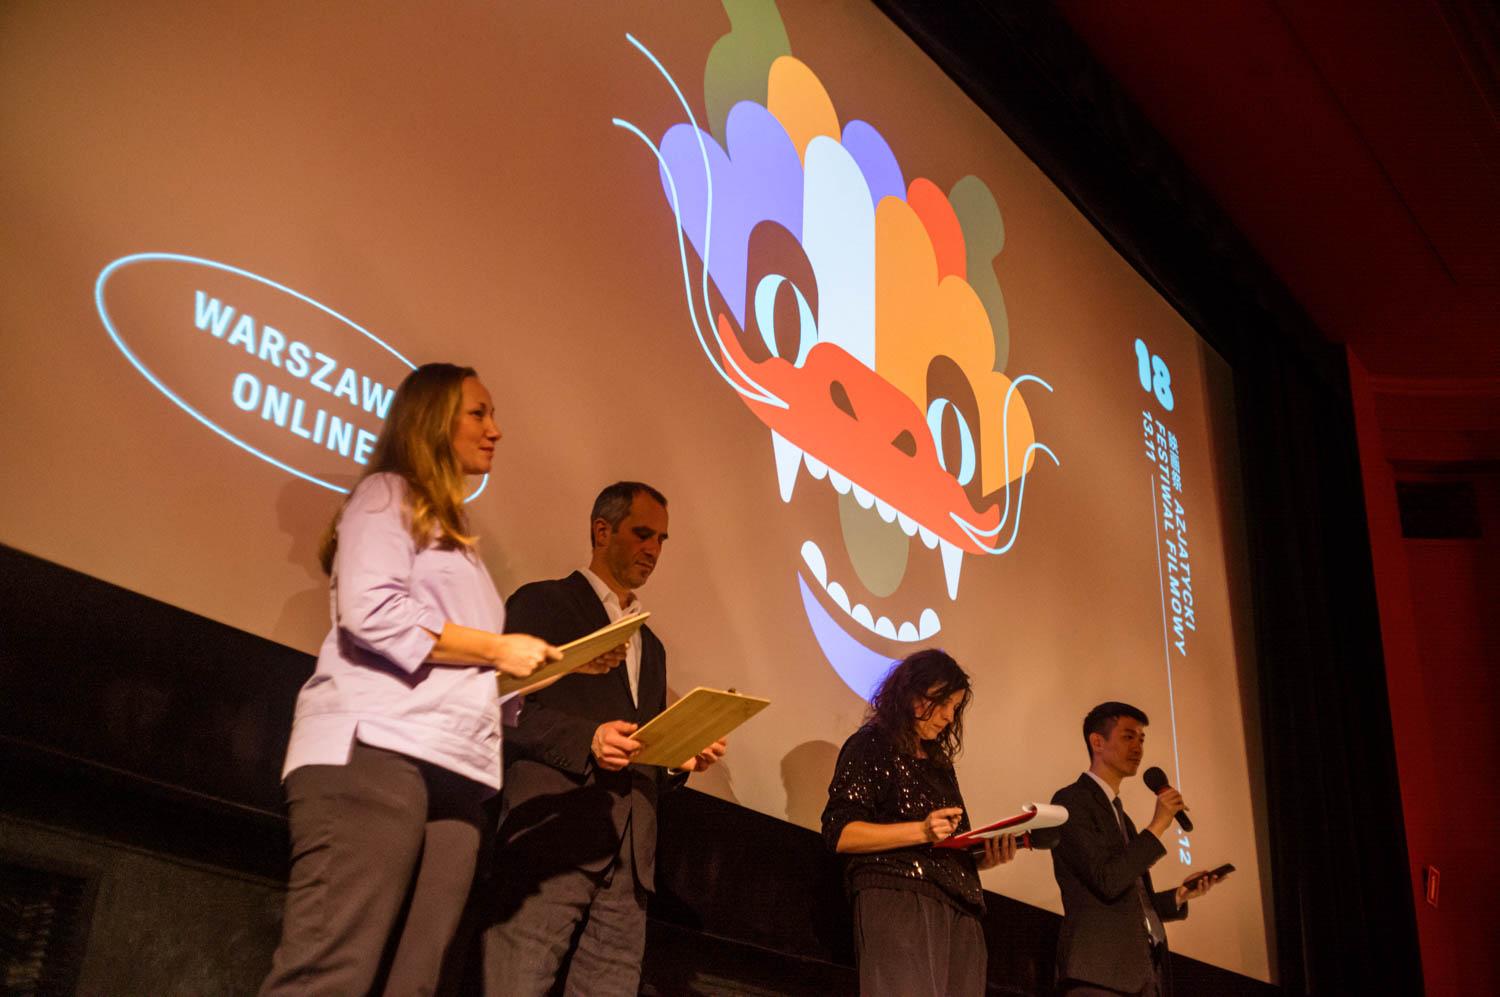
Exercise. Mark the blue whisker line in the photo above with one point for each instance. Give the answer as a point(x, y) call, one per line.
point(687, 281)
point(708, 178)
point(974, 533)
point(1005, 455)
point(1005, 439)
point(708, 209)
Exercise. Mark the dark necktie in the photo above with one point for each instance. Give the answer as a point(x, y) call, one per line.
point(1154, 928)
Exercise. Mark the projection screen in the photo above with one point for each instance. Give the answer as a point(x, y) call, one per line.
point(897, 389)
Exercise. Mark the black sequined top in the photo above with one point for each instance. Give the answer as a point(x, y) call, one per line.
point(876, 782)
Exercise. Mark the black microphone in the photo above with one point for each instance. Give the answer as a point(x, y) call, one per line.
point(1156, 781)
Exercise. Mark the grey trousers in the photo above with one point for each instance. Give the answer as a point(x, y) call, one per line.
point(383, 852)
point(1152, 989)
point(1155, 986)
point(601, 918)
point(911, 945)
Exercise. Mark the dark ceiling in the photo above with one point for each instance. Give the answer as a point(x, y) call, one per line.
point(1355, 143)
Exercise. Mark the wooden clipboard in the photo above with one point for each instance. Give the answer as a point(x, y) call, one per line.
point(578, 652)
point(693, 723)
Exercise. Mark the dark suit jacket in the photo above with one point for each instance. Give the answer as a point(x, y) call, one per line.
point(559, 811)
point(1104, 940)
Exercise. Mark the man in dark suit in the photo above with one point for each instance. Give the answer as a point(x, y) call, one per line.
point(1112, 939)
point(577, 848)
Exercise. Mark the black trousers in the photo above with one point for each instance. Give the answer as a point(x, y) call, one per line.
point(381, 836)
point(912, 945)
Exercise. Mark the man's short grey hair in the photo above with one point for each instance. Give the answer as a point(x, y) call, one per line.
point(613, 504)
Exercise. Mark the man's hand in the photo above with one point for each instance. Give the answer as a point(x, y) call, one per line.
point(941, 823)
point(1168, 805)
point(518, 655)
point(1194, 887)
point(603, 664)
point(613, 747)
point(705, 758)
point(997, 850)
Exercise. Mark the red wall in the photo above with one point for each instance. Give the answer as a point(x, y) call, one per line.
point(1440, 624)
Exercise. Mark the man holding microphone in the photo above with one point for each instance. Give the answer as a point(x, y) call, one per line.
point(1112, 939)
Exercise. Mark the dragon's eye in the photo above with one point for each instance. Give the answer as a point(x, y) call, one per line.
point(766, 293)
point(966, 458)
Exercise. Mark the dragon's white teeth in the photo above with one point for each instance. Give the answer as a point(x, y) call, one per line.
point(837, 594)
point(927, 624)
point(953, 561)
point(812, 556)
point(906, 632)
point(788, 463)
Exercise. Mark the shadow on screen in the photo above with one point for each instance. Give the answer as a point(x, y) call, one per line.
point(805, 773)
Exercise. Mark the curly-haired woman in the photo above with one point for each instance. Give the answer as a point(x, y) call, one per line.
point(894, 794)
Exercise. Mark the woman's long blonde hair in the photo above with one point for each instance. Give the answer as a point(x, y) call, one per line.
point(416, 442)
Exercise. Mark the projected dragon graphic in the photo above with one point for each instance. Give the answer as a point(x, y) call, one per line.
point(857, 315)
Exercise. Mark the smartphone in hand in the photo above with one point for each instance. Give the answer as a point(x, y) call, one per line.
point(1218, 873)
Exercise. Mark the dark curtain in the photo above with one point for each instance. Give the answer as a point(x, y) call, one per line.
point(1345, 920)
point(1344, 913)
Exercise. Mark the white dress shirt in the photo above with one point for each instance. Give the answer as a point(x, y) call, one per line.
point(616, 612)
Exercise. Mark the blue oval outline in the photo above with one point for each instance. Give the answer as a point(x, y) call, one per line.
point(109, 326)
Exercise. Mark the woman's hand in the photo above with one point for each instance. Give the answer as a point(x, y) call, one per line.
point(518, 655)
point(703, 759)
point(997, 850)
point(941, 823)
point(605, 663)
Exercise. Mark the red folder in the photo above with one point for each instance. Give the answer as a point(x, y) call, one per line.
point(1033, 816)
